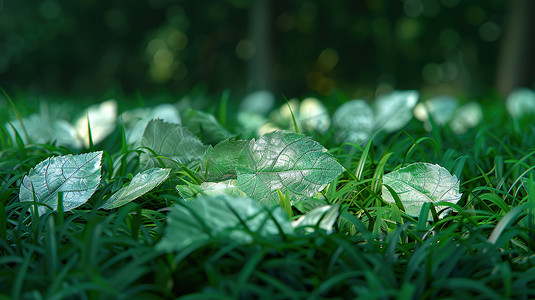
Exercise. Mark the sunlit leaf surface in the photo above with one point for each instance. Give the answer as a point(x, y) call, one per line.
point(323, 217)
point(419, 183)
point(102, 119)
point(141, 184)
point(286, 161)
point(77, 176)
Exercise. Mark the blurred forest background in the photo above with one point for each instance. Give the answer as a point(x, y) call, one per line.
point(291, 47)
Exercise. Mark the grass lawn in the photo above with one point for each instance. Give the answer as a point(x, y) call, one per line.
point(215, 209)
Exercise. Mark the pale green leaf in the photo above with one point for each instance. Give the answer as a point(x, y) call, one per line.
point(228, 187)
point(259, 102)
point(42, 129)
point(419, 183)
point(354, 122)
point(394, 110)
point(219, 162)
point(170, 142)
point(521, 102)
point(286, 161)
point(466, 116)
point(209, 217)
point(76, 176)
point(323, 217)
point(441, 109)
point(141, 184)
point(102, 119)
point(137, 119)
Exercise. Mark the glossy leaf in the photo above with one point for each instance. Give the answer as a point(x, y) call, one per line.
point(141, 184)
point(219, 162)
point(76, 176)
point(172, 142)
point(419, 183)
point(286, 161)
point(210, 217)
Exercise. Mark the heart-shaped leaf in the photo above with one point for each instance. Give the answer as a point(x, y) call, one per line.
point(419, 183)
point(76, 176)
point(219, 162)
point(221, 216)
point(286, 161)
point(171, 141)
point(141, 184)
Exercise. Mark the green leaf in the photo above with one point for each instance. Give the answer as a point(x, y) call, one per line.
point(141, 184)
point(77, 176)
point(286, 161)
point(42, 129)
point(170, 141)
point(101, 117)
point(136, 120)
point(440, 108)
point(419, 183)
point(394, 110)
point(354, 122)
point(323, 217)
point(219, 162)
point(227, 187)
point(221, 216)
point(200, 122)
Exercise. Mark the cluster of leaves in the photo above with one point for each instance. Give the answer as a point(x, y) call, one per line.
point(184, 207)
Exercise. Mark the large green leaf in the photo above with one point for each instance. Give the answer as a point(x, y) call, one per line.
point(286, 161)
point(141, 184)
point(419, 183)
point(76, 176)
point(219, 162)
point(221, 216)
point(171, 142)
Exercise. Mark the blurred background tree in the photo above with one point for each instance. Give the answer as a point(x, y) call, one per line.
point(290, 47)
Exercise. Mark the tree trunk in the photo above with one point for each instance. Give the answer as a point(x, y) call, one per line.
point(516, 66)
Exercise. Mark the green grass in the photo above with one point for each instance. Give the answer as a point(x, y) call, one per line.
point(484, 249)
